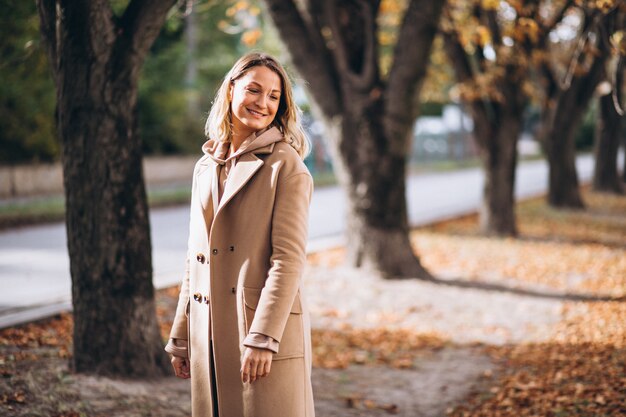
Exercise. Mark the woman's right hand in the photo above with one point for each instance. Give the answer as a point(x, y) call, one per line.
point(181, 367)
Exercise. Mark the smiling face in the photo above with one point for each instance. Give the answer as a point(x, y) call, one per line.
point(254, 100)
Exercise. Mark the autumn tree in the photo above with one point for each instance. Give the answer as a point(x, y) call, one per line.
point(489, 45)
point(96, 57)
point(568, 87)
point(610, 124)
point(368, 114)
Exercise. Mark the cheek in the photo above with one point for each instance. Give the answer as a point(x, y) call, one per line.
point(274, 108)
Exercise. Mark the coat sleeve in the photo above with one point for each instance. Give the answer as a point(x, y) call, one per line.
point(288, 239)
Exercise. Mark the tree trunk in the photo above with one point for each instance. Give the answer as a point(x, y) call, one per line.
point(559, 147)
point(608, 134)
point(368, 120)
point(375, 179)
point(499, 158)
point(497, 126)
point(564, 109)
point(561, 118)
point(96, 67)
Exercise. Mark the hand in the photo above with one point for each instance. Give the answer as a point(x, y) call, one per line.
point(256, 364)
point(181, 367)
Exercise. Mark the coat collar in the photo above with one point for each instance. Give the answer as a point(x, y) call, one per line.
point(245, 168)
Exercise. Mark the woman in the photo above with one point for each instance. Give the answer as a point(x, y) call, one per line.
point(241, 330)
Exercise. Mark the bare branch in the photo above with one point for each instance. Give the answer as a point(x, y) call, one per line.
point(140, 25)
point(365, 79)
point(308, 53)
point(464, 72)
point(494, 27)
point(411, 58)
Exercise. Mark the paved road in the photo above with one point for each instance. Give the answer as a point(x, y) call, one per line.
point(34, 265)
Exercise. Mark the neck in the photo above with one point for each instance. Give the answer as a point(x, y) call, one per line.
point(238, 138)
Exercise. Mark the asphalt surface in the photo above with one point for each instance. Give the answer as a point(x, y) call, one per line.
point(34, 265)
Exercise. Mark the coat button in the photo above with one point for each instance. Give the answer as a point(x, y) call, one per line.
point(206, 299)
point(232, 248)
point(198, 297)
point(214, 251)
point(200, 257)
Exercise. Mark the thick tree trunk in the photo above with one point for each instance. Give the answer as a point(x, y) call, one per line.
point(608, 135)
point(499, 157)
point(375, 179)
point(115, 326)
point(368, 120)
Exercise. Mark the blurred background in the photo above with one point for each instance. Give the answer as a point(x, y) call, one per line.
point(467, 233)
point(186, 64)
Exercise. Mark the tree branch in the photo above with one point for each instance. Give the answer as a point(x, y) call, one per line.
point(313, 63)
point(494, 27)
point(136, 31)
point(365, 79)
point(48, 23)
point(411, 58)
point(464, 73)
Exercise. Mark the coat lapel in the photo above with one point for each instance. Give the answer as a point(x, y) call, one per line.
point(244, 169)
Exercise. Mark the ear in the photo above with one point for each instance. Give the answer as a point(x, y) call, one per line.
point(231, 87)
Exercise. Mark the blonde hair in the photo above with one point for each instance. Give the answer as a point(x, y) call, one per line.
point(219, 123)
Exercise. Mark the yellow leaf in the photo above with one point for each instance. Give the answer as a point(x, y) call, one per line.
point(484, 36)
point(618, 39)
point(490, 4)
point(251, 37)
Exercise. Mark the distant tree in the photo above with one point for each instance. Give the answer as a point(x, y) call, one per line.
point(96, 57)
point(568, 89)
point(490, 45)
point(368, 116)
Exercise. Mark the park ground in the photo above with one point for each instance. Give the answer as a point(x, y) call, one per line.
point(534, 326)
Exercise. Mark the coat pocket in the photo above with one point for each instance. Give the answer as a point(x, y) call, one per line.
point(292, 342)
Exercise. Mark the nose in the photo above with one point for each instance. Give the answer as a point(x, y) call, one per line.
point(261, 101)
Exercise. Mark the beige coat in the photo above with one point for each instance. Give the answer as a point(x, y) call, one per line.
point(247, 260)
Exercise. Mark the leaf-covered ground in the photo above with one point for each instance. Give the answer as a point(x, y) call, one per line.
point(578, 367)
point(534, 326)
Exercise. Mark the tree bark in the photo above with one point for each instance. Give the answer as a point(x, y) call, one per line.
point(608, 135)
point(368, 120)
point(96, 64)
point(377, 211)
point(558, 139)
point(499, 158)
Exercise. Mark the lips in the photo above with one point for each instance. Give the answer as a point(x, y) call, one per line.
point(255, 113)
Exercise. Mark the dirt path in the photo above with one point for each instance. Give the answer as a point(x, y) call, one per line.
point(437, 382)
